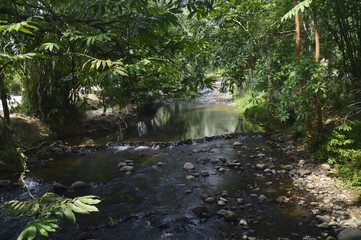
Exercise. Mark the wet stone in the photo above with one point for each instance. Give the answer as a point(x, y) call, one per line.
point(190, 177)
point(204, 174)
point(78, 185)
point(121, 164)
point(181, 219)
point(237, 144)
point(127, 169)
point(215, 161)
point(58, 187)
point(349, 234)
point(239, 200)
point(262, 198)
point(201, 211)
point(209, 200)
point(243, 222)
point(261, 166)
point(188, 166)
point(129, 162)
point(85, 236)
point(225, 194)
point(323, 225)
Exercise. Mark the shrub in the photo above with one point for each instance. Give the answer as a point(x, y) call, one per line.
point(12, 162)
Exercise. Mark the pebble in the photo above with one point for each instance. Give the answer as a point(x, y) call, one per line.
point(209, 200)
point(288, 167)
point(323, 225)
point(237, 144)
point(205, 174)
point(239, 200)
point(188, 166)
point(224, 194)
point(261, 166)
point(228, 215)
point(304, 172)
point(301, 163)
point(121, 164)
point(324, 218)
point(243, 222)
point(190, 177)
point(221, 203)
point(127, 169)
point(325, 167)
point(262, 198)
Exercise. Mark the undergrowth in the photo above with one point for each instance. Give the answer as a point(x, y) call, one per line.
point(342, 149)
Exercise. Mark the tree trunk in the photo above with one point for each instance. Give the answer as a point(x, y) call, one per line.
point(320, 126)
point(4, 98)
point(298, 34)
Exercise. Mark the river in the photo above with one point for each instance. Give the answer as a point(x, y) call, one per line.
point(159, 199)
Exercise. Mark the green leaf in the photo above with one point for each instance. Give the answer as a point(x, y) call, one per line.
point(77, 209)
point(68, 213)
point(90, 199)
point(28, 233)
point(299, 7)
point(86, 207)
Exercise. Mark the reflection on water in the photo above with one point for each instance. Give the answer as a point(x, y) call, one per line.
point(179, 121)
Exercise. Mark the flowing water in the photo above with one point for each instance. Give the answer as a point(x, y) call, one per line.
point(156, 201)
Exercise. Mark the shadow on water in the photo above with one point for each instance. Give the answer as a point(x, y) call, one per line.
point(156, 201)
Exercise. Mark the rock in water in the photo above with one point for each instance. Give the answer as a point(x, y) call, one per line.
point(201, 211)
point(349, 234)
point(209, 200)
point(237, 144)
point(85, 236)
point(127, 169)
point(78, 185)
point(188, 166)
point(228, 215)
point(58, 187)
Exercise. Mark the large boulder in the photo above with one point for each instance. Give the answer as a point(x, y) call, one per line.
point(349, 234)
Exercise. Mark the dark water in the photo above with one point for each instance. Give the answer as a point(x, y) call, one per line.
point(156, 200)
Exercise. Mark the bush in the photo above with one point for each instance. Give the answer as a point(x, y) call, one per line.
point(263, 115)
point(343, 150)
point(11, 162)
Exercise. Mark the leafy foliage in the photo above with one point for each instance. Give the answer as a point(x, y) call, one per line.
point(300, 7)
point(47, 211)
point(342, 149)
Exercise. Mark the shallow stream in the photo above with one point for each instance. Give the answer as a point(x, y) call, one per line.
point(161, 200)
